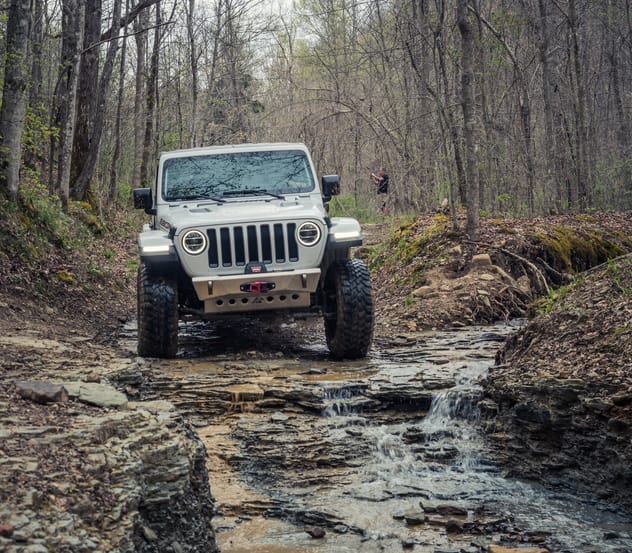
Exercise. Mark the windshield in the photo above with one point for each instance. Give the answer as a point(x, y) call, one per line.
point(236, 173)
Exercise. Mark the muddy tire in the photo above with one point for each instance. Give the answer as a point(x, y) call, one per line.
point(348, 309)
point(157, 315)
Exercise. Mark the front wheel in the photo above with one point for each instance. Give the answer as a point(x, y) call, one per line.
point(348, 309)
point(157, 315)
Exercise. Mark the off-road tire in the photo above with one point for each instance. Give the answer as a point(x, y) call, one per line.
point(348, 309)
point(157, 315)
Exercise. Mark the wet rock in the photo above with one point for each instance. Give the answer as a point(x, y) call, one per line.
point(314, 370)
point(441, 452)
point(415, 518)
point(279, 417)
point(436, 520)
point(368, 492)
point(453, 526)
point(493, 548)
point(453, 510)
point(154, 407)
point(315, 532)
point(406, 397)
point(532, 411)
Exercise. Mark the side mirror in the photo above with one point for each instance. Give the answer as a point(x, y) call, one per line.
point(143, 200)
point(330, 186)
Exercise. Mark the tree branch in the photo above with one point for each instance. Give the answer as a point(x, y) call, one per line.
point(133, 13)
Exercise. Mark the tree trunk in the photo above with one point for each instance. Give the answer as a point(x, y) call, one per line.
point(581, 165)
point(35, 157)
point(87, 101)
point(14, 95)
point(623, 127)
point(139, 98)
point(469, 118)
point(83, 181)
point(151, 99)
point(72, 26)
point(194, 72)
point(113, 188)
point(553, 178)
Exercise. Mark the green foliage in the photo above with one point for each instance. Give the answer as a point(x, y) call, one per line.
point(43, 217)
point(37, 133)
point(620, 271)
point(553, 299)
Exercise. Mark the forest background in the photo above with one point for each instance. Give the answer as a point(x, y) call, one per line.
point(517, 107)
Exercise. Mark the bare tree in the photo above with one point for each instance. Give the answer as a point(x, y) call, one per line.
point(469, 118)
point(116, 154)
point(193, 58)
point(524, 103)
point(65, 96)
point(83, 180)
point(86, 100)
point(14, 95)
point(140, 34)
point(152, 85)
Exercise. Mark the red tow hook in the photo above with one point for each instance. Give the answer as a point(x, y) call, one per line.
point(257, 287)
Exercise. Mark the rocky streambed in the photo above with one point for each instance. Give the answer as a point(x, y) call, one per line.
point(384, 454)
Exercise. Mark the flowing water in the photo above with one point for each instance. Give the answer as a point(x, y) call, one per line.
point(356, 449)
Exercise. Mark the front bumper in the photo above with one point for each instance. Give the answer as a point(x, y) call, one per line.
point(257, 291)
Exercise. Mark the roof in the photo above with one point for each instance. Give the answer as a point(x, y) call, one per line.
point(227, 148)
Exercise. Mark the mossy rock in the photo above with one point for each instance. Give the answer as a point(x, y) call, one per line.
point(569, 250)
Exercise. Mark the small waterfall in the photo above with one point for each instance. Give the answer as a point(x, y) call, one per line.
point(450, 426)
point(345, 401)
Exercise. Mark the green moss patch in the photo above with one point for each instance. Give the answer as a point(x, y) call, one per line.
point(574, 250)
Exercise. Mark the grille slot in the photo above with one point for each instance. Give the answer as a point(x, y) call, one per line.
point(236, 246)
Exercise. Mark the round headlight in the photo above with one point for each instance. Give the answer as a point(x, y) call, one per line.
point(308, 234)
point(194, 242)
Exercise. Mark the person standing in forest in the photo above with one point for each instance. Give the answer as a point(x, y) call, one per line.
point(380, 180)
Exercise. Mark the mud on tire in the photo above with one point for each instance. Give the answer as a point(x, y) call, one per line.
point(157, 315)
point(348, 309)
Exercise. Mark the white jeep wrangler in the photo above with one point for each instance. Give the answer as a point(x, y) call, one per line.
point(245, 228)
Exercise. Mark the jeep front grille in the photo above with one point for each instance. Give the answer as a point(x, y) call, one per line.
point(236, 246)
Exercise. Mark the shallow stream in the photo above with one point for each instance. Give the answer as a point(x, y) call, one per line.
point(383, 454)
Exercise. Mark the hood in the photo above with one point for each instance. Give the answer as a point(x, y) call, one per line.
point(206, 214)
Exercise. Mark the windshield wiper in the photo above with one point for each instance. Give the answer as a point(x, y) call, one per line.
point(253, 192)
point(199, 197)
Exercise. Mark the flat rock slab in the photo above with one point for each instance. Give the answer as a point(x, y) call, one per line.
point(100, 395)
point(40, 391)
